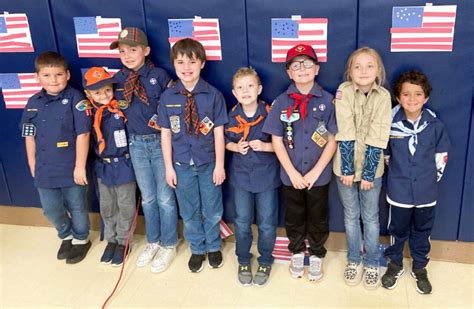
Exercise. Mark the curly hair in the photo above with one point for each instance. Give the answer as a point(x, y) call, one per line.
point(415, 78)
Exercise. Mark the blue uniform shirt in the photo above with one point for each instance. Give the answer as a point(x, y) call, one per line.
point(257, 171)
point(57, 120)
point(411, 180)
point(113, 166)
point(138, 113)
point(305, 154)
point(210, 103)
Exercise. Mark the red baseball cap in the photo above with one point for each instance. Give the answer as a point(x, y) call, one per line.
point(96, 78)
point(301, 49)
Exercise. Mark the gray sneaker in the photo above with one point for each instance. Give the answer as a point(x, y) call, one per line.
point(297, 265)
point(245, 274)
point(262, 275)
point(315, 268)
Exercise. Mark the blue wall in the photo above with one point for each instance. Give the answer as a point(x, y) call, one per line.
point(245, 36)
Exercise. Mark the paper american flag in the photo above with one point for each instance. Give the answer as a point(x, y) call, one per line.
point(224, 230)
point(17, 88)
point(288, 32)
point(94, 35)
point(15, 36)
point(423, 28)
point(204, 30)
point(282, 255)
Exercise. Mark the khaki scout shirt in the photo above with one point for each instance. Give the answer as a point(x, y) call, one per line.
point(363, 119)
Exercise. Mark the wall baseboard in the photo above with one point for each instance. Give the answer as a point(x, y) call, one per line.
point(449, 251)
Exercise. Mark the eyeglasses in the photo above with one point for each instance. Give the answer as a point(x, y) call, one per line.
point(307, 64)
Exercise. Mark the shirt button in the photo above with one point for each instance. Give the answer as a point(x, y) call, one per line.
point(305, 162)
point(305, 132)
point(43, 120)
point(306, 147)
point(414, 180)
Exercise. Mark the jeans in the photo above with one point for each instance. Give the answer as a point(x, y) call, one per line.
point(365, 204)
point(200, 206)
point(66, 209)
point(266, 206)
point(158, 199)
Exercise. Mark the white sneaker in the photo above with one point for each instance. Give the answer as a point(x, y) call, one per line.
point(353, 273)
point(148, 254)
point(315, 268)
point(163, 259)
point(371, 277)
point(297, 265)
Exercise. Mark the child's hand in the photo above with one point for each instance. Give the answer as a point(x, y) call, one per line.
point(80, 177)
point(218, 176)
point(257, 145)
point(311, 178)
point(347, 180)
point(366, 185)
point(298, 181)
point(243, 146)
point(171, 178)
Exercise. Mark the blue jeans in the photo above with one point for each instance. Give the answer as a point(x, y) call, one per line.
point(66, 209)
point(266, 205)
point(200, 206)
point(365, 204)
point(158, 199)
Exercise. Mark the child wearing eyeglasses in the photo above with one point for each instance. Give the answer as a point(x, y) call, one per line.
point(302, 124)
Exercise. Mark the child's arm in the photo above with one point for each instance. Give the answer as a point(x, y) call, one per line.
point(30, 144)
point(218, 176)
point(167, 149)
point(241, 147)
point(258, 145)
point(82, 149)
point(296, 178)
point(312, 176)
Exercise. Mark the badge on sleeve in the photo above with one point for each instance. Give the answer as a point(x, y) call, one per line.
point(175, 125)
point(120, 138)
point(83, 105)
point(153, 81)
point(320, 136)
point(152, 123)
point(28, 129)
point(65, 101)
point(122, 104)
point(206, 125)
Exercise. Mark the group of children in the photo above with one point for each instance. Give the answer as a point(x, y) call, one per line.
point(170, 139)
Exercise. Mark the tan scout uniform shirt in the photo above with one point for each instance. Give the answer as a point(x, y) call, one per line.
point(363, 119)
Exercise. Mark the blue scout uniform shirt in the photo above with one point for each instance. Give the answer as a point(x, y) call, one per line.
point(257, 171)
point(305, 154)
point(57, 120)
point(411, 180)
point(138, 113)
point(113, 166)
point(210, 103)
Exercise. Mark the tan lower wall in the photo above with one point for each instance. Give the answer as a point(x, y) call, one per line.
point(452, 251)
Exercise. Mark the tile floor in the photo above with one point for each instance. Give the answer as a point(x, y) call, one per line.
point(31, 277)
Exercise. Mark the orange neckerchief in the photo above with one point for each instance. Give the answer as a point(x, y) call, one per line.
point(112, 107)
point(301, 101)
point(244, 125)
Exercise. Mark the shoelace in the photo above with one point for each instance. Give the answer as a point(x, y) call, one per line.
point(149, 248)
point(315, 265)
point(297, 260)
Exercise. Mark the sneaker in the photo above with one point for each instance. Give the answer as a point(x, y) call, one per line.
point(297, 265)
point(315, 268)
point(195, 262)
point(371, 277)
point(163, 259)
point(245, 274)
point(353, 273)
point(262, 275)
point(108, 253)
point(215, 259)
point(148, 254)
point(78, 253)
point(64, 249)
point(118, 258)
point(423, 285)
point(391, 276)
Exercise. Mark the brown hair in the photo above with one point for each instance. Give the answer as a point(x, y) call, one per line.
point(380, 79)
point(188, 47)
point(50, 59)
point(245, 71)
point(415, 78)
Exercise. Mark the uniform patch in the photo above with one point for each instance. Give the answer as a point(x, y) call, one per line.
point(320, 136)
point(122, 104)
point(31, 109)
point(83, 105)
point(152, 123)
point(124, 33)
point(175, 124)
point(120, 138)
point(62, 144)
point(322, 107)
point(65, 101)
point(28, 129)
point(206, 125)
point(117, 116)
point(173, 105)
point(294, 116)
point(339, 95)
point(153, 81)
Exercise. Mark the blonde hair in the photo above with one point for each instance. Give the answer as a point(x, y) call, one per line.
point(245, 71)
point(380, 79)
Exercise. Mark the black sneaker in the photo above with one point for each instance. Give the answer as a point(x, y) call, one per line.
point(244, 274)
point(261, 276)
point(423, 285)
point(391, 276)
point(78, 253)
point(215, 259)
point(195, 262)
point(118, 257)
point(64, 249)
point(108, 253)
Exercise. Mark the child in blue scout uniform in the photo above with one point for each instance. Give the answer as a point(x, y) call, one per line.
point(56, 124)
point(192, 115)
point(254, 174)
point(139, 87)
point(113, 168)
point(363, 118)
point(417, 155)
point(302, 125)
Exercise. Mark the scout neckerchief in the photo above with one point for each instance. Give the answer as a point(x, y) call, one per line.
point(112, 107)
point(191, 116)
point(399, 129)
point(244, 126)
point(133, 86)
point(300, 101)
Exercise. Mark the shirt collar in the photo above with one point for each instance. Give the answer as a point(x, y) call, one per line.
point(261, 110)
point(316, 90)
point(60, 96)
point(425, 115)
point(201, 87)
point(374, 87)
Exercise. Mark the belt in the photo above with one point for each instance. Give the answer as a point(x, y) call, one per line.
point(115, 159)
point(146, 137)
